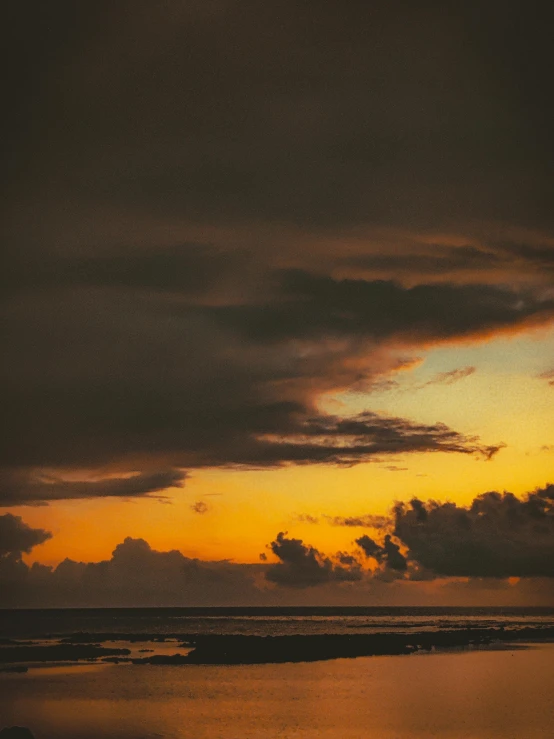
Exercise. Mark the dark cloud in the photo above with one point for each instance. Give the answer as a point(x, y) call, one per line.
point(498, 535)
point(137, 575)
point(24, 489)
point(187, 269)
point(361, 437)
point(318, 305)
point(16, 537)
point(388, 553)
point(367, 521)
point(200, 507)
point(290, 111)
point(541, 256)
point(439, 260)
point(103, 377)
point(134, 575)
point(419, 262)
point(299, 565)
point(302, 566)
point(168, 165)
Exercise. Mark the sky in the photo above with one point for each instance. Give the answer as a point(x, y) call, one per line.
point(277, 304)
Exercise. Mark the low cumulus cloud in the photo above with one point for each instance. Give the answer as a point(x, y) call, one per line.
point(425, 551)
point(301, 565)
point(498, 535)
point(135, 575)
point(388, 553)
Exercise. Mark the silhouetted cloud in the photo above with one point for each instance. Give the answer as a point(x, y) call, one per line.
point(349, 440)
point(110, 377)
point(498, 535)
point(134, 575)
point(387, 553)
point(301, 565)
point(368, 520)
point(200, 507)
point(17, 537)
point(137, 575)
point(26, 489)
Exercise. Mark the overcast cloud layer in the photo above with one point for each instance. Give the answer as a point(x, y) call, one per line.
point(218, 211)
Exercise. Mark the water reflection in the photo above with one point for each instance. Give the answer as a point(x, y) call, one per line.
point(475, 695)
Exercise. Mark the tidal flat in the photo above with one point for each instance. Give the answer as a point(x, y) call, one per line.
point(474, 694)
point(231, 649)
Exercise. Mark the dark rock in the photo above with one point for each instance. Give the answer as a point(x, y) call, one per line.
point(162, 659)
point(57, 653)
point(16, 732)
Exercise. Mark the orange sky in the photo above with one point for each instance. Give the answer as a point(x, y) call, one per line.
point(268, 268)
point(500, 401)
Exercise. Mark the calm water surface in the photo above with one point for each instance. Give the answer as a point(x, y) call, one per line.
point(470, 694)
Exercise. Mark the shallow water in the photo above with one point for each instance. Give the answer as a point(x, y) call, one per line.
point(469, 694)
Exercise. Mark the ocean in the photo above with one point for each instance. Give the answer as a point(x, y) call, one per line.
point(270, 621)
point(485, 692)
